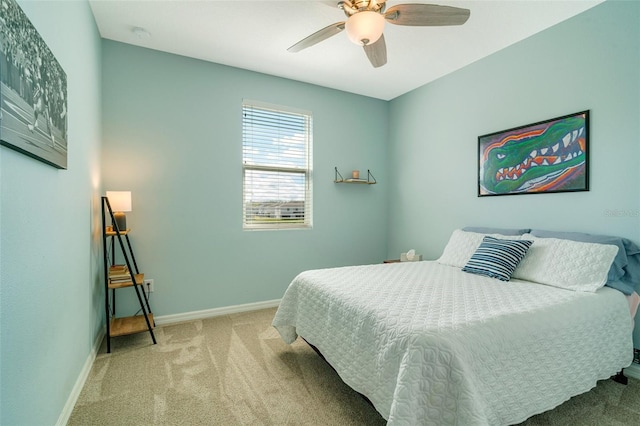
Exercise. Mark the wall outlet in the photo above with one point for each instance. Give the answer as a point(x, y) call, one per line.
point(636, 356)
point(148, 286)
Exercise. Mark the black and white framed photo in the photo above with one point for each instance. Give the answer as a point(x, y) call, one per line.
point(33, 91)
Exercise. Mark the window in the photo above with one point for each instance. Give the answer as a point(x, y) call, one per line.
point(276, 163)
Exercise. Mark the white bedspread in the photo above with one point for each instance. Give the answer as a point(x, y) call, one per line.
point(429, 344)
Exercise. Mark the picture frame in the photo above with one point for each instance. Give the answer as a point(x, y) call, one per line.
point(543, 157)
point(33, 91)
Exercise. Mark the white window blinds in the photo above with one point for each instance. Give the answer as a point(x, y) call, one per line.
point(276, 161)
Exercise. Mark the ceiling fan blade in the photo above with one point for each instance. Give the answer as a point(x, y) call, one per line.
point(426, 15)
point(317, 37)
point(377, 52)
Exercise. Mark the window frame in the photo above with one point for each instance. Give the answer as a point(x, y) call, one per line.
point(306, 172)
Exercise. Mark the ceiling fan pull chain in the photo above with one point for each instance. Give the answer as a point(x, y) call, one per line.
point(347, 7)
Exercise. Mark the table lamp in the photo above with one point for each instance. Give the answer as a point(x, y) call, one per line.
point(120, 202)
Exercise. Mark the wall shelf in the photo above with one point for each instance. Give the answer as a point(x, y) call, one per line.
point(369, 181)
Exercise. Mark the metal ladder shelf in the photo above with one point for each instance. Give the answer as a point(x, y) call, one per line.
point(130, 276)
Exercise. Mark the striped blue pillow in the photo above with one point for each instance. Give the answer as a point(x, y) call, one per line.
point(497, 258)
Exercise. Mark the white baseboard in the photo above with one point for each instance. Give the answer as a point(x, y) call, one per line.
point(82, 378)
point(633, 371)
point(215, 312)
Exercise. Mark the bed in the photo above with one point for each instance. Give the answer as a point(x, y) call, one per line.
point(430, 343)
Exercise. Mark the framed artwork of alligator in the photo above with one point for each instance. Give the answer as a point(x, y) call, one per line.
point(543, 157)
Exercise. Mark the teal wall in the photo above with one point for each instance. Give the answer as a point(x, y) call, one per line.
point(170, 130)
point(172, 135)
point(50, 297)
point(589, 62)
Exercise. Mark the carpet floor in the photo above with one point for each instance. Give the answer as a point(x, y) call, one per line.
point(235, 370)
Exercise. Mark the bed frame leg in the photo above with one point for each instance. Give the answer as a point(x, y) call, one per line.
point(621, 378)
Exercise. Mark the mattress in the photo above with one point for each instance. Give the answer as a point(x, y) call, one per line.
point(430, 344)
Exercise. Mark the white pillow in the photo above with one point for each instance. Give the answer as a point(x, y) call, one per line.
point(572, 265)
point(463, 244)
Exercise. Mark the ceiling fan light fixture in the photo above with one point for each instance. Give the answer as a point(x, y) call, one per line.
point(365, 27)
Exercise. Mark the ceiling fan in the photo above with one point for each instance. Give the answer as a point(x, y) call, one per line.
point(365, 23)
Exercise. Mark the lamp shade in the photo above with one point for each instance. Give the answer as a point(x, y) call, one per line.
point(120, 201)
point(365, 27)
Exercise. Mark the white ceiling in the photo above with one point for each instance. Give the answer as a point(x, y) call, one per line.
point(255, 35)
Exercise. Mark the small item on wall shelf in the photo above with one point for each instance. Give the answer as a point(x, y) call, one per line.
point(355, 177)
point(410, 256)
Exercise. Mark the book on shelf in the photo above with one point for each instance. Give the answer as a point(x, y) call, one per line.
point(118, 268)
point(115, 278)
point(119, 274)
